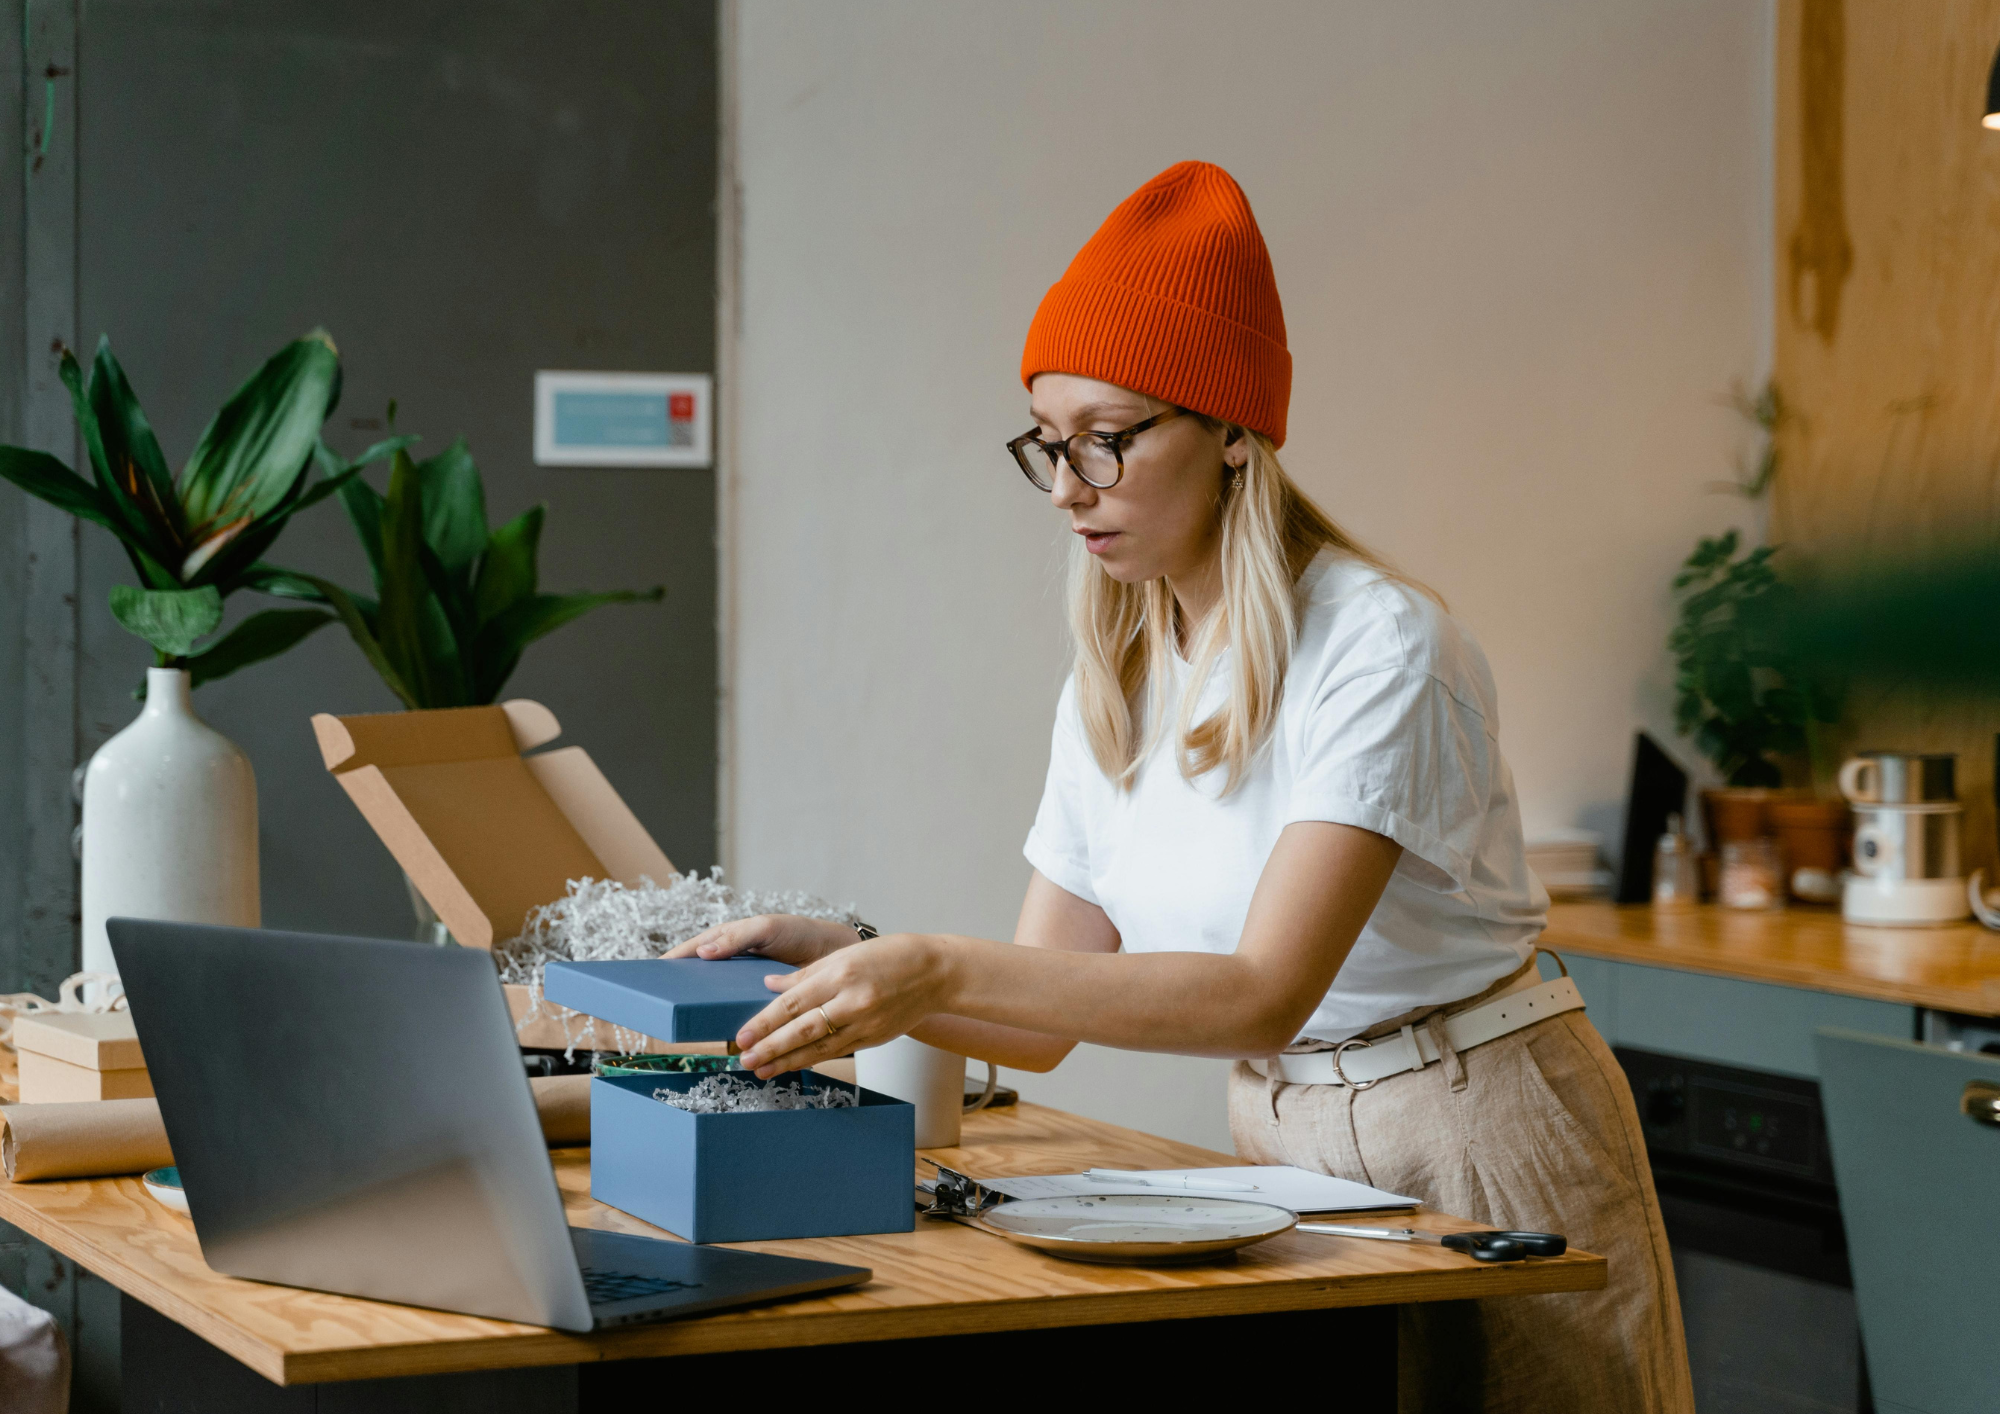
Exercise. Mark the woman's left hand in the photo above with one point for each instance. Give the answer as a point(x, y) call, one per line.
point(868, 993)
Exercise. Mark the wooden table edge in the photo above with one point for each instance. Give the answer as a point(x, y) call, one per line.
point(1577, 1271)
point(266, 1360)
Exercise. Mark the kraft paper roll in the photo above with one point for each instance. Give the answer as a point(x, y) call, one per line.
point(99, 1138)
point(82, 1139)
point(563, 1101)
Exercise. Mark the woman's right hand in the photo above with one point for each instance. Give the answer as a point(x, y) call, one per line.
point(782, 937)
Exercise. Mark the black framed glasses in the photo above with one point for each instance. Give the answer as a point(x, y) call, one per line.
point(1098, 458)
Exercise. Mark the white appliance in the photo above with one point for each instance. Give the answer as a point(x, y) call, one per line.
point(1907, 822)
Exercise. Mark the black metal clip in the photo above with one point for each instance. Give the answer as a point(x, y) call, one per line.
point(954, 1195)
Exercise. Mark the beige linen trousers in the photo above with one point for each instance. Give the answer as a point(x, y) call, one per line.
point(1534, 1131)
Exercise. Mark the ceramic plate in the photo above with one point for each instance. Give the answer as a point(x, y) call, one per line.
point(1149, 1228)
point(165, 1185)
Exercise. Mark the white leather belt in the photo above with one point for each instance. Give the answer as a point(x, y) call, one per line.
point(1364, 1063)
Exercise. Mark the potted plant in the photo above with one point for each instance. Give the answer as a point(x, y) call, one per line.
point(1741, 692)
point(1738, 692)
point(169, 804)
point(1746, 699)
point(455, 603)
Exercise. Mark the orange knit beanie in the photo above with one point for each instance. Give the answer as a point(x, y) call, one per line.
point(1174, 297)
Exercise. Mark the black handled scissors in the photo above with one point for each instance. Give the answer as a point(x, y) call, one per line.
point(1480, 1246)
point(1503, 1246)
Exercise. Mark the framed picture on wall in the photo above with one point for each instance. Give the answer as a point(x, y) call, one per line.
point(623, 419)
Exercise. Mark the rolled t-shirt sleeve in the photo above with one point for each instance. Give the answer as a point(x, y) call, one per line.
point(1396, 752)
point(1059, 844)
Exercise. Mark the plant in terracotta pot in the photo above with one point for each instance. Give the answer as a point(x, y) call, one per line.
point(1816, 836)
point(1748, 700)
point(1743, 690)
point(170, 805)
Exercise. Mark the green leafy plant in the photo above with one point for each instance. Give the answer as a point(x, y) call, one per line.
point(1741, 691)
point(455, 603)
point(196, 538)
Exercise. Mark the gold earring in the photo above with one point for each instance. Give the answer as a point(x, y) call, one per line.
point(1237, 483)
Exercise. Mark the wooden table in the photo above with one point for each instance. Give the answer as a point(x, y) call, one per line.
point(1955, 969)
point(941, 1281)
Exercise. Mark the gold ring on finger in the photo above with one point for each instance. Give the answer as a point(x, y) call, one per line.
point(830, 1027)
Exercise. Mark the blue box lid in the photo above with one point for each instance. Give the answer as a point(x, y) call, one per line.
point(678, 999)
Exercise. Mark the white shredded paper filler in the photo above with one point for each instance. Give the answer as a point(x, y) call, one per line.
point(736, 1094)
point(601, 920)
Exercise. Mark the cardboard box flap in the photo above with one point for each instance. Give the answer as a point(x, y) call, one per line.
point(425, 738)
point(485, 833)
point(600, 816)
point(684, 999)
point(95, 1040)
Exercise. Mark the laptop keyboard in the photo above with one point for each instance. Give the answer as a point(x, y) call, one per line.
point(604, 1288)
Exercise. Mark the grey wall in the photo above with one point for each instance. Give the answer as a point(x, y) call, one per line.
point(461, 193)
point(13, 509)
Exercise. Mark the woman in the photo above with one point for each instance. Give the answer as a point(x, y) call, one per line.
point(1277, 827)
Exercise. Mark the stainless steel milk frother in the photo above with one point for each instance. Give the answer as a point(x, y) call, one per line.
point(1906, 839)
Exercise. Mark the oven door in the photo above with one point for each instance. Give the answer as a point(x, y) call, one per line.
point(1745, 1182)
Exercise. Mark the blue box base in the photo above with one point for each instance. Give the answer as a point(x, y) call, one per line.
point(753, 1177)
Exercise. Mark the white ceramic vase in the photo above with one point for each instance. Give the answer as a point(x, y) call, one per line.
point(169, 822)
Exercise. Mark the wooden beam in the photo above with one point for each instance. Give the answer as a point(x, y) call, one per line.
point(1887, 322)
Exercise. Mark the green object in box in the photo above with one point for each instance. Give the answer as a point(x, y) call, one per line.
point(677, 1063)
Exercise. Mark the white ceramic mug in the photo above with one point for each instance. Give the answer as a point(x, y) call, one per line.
point(931, 1079)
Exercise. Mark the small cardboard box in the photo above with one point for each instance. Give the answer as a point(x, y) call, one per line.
point(732, 1177)
point(70, 1055)
point(487, 832)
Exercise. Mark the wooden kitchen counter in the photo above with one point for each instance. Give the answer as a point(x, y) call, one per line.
point(1955, 968)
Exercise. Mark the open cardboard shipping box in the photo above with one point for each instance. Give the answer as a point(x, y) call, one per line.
point(487, 833)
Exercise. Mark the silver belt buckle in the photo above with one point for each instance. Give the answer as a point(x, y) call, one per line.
point(1341, 1050)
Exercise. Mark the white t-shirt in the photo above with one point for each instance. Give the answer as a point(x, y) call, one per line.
point(1390, 723)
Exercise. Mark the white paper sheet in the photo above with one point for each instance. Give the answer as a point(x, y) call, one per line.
point(1278, 1184)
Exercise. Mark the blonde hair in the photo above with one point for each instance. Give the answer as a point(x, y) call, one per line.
point(1125, 633)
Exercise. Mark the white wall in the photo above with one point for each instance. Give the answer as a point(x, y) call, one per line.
point(1523, 249)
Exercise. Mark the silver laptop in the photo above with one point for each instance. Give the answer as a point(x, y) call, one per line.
point(353, 1116)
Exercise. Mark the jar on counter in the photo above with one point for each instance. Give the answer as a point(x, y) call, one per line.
point(1676, 871)
point(1753, 875)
